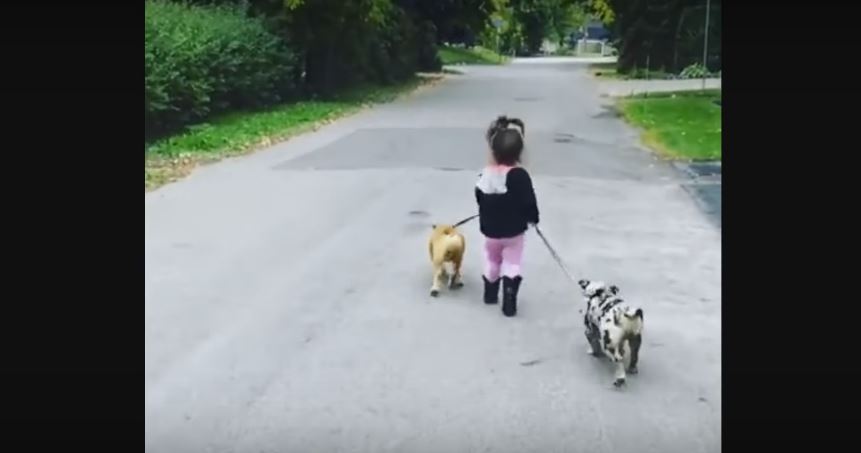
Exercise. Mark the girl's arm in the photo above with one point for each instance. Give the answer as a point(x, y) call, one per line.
point(525, 193)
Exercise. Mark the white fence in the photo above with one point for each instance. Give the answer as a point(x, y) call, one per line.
point(594, 47)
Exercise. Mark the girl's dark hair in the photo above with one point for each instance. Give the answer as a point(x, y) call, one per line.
point(506, 143)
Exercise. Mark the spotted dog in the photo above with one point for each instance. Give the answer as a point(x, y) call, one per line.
point(612, 327)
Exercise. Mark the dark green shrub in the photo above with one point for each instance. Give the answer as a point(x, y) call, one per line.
point(428, 52)
point(694, 71)
point(201, 60)
point(394, 52)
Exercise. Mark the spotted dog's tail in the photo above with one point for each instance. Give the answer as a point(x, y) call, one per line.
point(633, 322)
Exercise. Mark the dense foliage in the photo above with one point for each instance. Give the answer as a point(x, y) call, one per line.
point(666, 34)
point(200, 61)
point(207, 56)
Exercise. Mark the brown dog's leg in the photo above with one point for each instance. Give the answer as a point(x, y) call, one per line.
point(437, 279)
point(457, 278)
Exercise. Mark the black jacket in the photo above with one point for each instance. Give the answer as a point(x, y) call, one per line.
point(505, 213)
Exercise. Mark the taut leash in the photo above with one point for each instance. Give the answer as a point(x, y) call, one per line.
point(550, 248)
point(554, 255)
point(464, 221)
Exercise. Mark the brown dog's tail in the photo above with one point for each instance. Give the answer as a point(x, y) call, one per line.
point(451, 245)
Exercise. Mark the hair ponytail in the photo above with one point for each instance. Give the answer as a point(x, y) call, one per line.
point(519, 123)
point(501, 123)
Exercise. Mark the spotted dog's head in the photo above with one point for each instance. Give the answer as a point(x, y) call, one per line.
point(597, 289)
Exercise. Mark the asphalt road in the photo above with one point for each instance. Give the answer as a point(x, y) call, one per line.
point(287, 305)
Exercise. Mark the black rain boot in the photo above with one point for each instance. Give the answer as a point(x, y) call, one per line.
point(491, 291)
point(510, 286)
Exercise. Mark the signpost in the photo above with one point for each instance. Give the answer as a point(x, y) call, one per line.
point(706, 45)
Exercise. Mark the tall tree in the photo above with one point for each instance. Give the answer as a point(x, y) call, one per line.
point(455, 20)
point(334, 36)
point(566, 16)
point(542, 19)
point(602, 10)
point(660, 33)
point(534, 16)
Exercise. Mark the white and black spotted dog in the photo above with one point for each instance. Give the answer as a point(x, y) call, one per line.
point(612, 327)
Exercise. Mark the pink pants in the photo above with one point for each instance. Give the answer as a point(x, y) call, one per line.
point(503, 255)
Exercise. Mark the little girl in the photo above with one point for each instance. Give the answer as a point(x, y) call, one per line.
point(506, 206)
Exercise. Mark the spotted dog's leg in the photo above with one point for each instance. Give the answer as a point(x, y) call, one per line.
point(593, 334)
point(588, 333)
point(615, 350)
point(620, 374)
point(591, 341)
point(593, 337)
point(634, 343)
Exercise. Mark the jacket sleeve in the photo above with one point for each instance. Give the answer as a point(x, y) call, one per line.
point(525, 194)
point(478, 195)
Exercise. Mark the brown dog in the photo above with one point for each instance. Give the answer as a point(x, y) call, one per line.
point(446, 249)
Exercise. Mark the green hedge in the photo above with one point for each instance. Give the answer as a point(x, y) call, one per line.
point(202, 60)
point(393, 54)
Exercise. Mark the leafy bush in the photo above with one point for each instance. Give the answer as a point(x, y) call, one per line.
point(694, 71)
point(201, 60)
point(428, 51)
point(394, 49)
point(637, 73)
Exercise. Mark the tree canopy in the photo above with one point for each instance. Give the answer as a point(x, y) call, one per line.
point(341, 38)
point(666, 34)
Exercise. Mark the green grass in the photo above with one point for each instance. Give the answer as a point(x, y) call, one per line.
point(609, 71)
point(681, 125)
point(476, 55)
point(565, 52)
point(173, 157)
point(605, 70)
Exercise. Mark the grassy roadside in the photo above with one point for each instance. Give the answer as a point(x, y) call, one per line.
point(476, 55)
point(680, 125)
point(171, 158)
point(604, 70)
point(608, 71)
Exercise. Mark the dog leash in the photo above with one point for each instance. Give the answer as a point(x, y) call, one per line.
point(546, 243)
point(464, 221)
point(554, 254)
